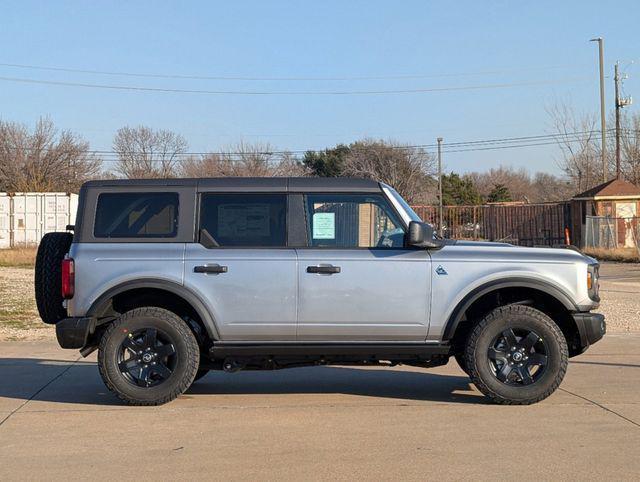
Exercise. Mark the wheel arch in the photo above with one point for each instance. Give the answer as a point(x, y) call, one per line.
point(104, 303)
point(539, 294)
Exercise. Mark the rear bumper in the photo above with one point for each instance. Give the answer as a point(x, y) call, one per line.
point(75, 332)
point(591, 327)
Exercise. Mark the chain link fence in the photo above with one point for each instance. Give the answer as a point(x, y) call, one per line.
point(612, 233)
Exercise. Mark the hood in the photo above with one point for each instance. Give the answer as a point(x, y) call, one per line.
point(503, 250)
point(464, 242)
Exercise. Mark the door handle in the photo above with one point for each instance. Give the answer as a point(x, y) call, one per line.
point(210, 268)
point(323, 269)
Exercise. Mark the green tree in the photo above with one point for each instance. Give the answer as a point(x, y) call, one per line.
point(499, 194)
point(458, 190)
point(327, 163)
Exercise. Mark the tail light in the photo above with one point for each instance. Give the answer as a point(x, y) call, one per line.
point(68, 278)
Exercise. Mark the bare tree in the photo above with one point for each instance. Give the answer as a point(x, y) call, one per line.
point(517, 181)
point(147, 153)
point(630, 148)
point(245, 160)
point(541, 187)
point(581, 152)
point(408, 169)
point(44, 159)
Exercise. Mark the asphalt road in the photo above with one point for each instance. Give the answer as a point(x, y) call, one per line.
point(57, 421)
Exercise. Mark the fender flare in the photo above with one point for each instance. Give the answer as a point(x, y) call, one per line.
point(102, 302)
point(516, 282)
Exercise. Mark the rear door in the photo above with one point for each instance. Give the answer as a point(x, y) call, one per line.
point(357, 280)
point(242, 267)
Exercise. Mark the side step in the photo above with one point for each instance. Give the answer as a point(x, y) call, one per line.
point(222, 350)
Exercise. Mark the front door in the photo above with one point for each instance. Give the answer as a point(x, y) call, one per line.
point(242, 269)
point(357, 281)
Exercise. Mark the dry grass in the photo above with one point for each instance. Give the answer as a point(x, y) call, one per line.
point(621, 255)
point(18, 257)
point(19, 318)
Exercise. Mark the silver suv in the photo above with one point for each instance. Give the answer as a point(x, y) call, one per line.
point(169, 279)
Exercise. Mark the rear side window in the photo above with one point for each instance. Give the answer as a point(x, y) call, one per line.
point(136, 215)
point(255, 220)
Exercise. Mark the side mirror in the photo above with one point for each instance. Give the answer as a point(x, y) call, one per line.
point(421, 235)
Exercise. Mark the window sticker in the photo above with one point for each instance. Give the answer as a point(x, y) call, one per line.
point(324, 226)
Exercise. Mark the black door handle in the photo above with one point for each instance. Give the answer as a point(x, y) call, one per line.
point(323, 269)
point(210, 268)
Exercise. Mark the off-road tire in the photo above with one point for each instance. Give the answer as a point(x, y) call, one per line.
point(516, 316)
point(48, 276)
point(186, 350)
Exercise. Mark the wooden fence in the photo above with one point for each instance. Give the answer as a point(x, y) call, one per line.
point(524, 225)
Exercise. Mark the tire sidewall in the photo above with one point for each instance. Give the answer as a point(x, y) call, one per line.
point(180, 336)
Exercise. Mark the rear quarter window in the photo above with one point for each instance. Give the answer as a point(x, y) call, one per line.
point(136, 215)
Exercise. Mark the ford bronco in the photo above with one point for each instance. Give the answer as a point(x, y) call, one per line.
point(169, 279)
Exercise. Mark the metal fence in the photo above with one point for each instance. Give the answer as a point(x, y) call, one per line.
point(611, 233)
point(524, 225)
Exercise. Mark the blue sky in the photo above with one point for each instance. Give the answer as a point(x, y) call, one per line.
point(451, 44)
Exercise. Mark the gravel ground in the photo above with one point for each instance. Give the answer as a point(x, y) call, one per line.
point(19, 318)
point(620, 292)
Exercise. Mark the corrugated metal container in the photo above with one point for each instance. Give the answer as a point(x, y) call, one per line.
point(26, 217)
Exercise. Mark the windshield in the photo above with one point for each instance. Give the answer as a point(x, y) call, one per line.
point(412, 214)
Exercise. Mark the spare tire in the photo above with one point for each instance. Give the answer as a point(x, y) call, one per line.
point(48, 276)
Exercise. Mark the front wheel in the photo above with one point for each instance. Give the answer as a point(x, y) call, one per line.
point(148, 356)
point(516, 355)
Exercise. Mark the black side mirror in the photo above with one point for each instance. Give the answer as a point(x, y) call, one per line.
point(421, 235)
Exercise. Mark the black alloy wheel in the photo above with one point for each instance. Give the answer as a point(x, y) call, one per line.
point(518, 356)
point(146, 357)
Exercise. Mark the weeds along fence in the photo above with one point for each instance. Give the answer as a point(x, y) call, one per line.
point(524, 225)
point(611, 233)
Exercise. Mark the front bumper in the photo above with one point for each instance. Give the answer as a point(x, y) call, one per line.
point(591, 327)
point(75, 332)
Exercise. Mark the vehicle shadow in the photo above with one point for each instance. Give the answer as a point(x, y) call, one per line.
point(80, 383)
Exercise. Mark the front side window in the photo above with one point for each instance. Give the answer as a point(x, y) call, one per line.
point(244, 220)
point(352, 221)
point(136, 215)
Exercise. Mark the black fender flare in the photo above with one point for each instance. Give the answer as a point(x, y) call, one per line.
point(102, 302)
point(516, 282)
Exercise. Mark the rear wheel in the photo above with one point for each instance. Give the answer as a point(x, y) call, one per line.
point(516, 355)
point(148, 356)
point(48, 276)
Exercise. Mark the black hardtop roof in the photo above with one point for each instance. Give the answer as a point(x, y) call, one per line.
point(279, 184)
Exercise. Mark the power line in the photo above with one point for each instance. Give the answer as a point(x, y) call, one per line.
point(461, 146)
point(270, 79)
point(299, 92)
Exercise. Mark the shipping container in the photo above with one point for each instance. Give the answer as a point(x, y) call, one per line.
point(26, 217)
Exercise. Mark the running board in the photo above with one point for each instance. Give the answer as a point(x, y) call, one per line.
point(222, 350)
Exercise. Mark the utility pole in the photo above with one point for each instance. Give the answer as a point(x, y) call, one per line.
point(616, 80)
point(440, 217)
point(603, 122)
point(620, 103)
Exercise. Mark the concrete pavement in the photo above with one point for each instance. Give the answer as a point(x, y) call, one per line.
point(59, 422)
